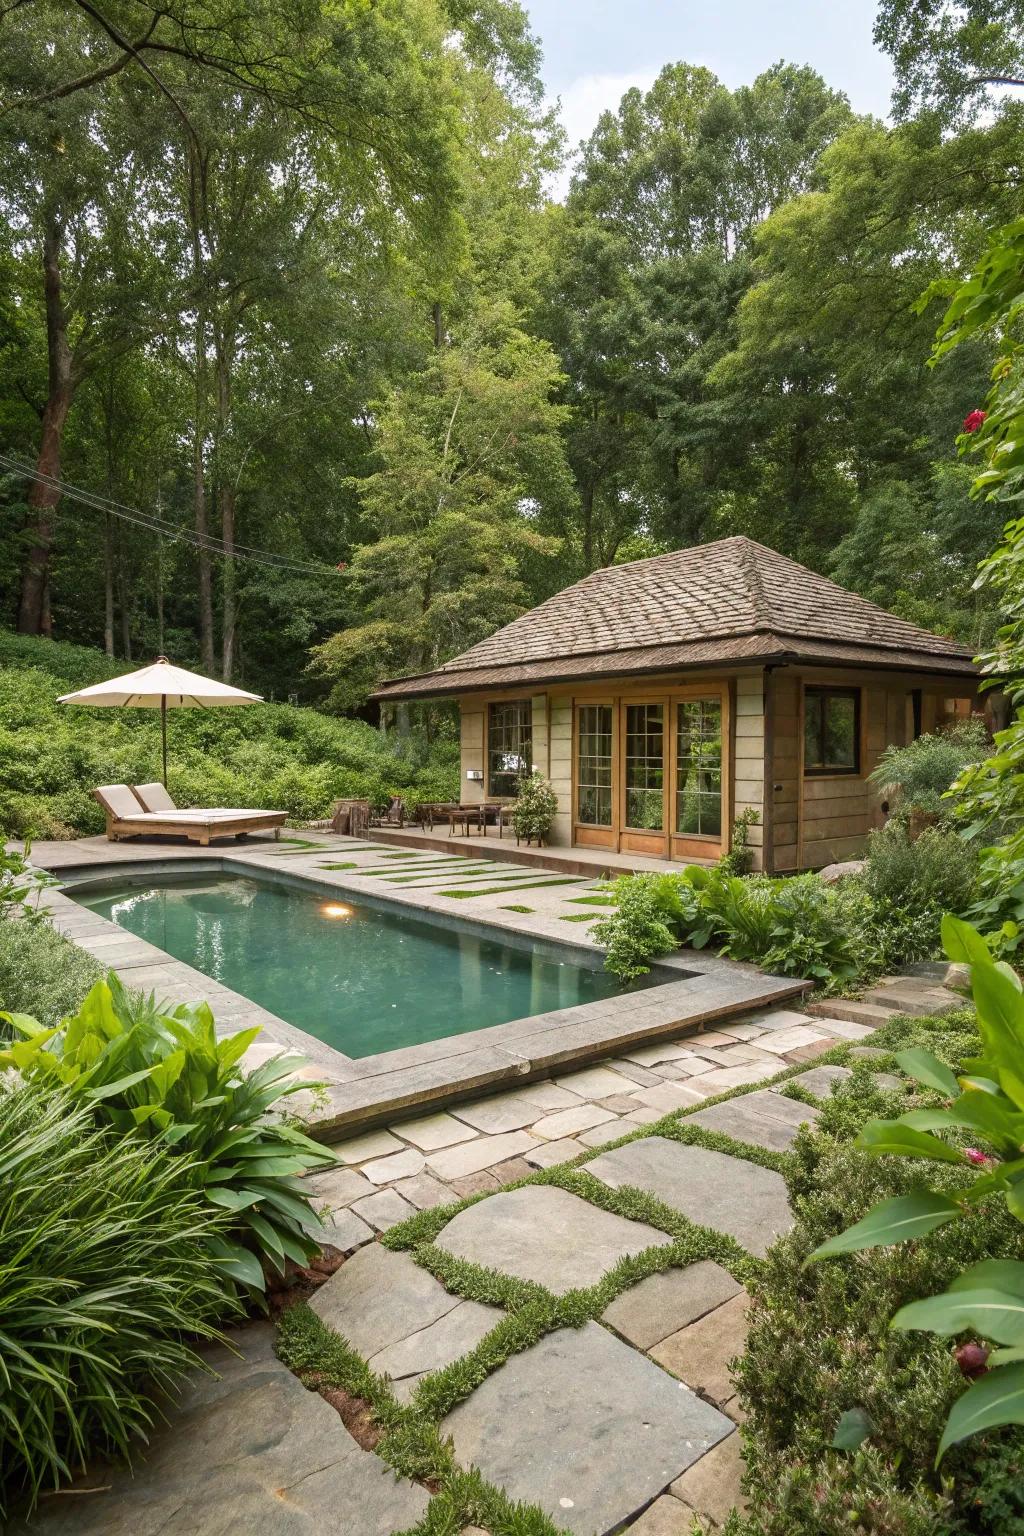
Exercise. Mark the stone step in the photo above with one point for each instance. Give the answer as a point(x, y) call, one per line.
point(918, 1002)
point(852, 1012)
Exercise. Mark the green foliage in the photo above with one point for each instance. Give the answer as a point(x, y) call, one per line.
point(740, 858)
point(535, 808)
point(165, 1076)
point(42, 972)
point(936, 871)
point(787, 926)
point(21, 885)
point(919, 774)
point(52, 755)
point(984, 1100)
point(107, 1268)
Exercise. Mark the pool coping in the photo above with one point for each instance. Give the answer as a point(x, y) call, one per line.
point(366, 1091)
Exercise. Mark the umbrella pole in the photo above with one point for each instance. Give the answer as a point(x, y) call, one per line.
point(163, 733)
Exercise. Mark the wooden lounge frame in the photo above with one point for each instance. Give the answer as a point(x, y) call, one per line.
point(127, 817)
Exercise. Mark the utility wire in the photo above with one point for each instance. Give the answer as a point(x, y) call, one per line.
point(162, 525)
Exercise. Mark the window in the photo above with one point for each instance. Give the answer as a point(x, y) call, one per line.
point(594, 765)
point(699, 768)
point(509, 745)
point(831, 730)
point(645, 767)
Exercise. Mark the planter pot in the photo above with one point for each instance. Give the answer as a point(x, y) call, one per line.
point(920, 821)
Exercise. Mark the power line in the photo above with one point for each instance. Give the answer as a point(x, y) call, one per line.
point(154, 523)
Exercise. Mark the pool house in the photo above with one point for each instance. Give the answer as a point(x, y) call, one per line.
point(665, 697)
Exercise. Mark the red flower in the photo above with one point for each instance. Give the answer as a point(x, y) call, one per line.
point(342, 565)
point(977, 1157)
point(973, 420)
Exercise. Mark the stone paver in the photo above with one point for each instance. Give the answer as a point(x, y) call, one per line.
point(699, 1354)
point(668, 1097)
point(819, 1080)
point(712, 1485)
point(569, 1122)
point(583, 1426)
point(546, 1235)
point(472, 1156)
point(764, 1119)
point(498, 1114)
point(547, 1153)
point(433, 1132)
point(424, 1191)
point(447, 1339)
point(359, 1149)
point(666, 1302)
point(594, 1083)
point(346, 1231)
point(547, 1096)
point(248, 1450)
point(384, 1209)
point(378, 1298)
point(337, 1187)
point(725, 1079)
point(400, 1165)
point(601, 1135)
point(651, 1055)
point(667, 1516)
point(723, 1192)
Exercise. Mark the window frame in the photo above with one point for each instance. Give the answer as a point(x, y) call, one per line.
point(821, 693)
point(526, 705)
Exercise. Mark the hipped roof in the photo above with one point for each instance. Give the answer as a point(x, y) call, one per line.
point(734, 601)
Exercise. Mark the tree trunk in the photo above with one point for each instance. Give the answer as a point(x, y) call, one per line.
point(108, 584)
point(123, 599)
point(34, 599)
point(160, 596)
point(202, 525)
point(226, 488)
point(228, 615)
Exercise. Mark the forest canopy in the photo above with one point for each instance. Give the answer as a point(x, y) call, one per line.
point(305, 378)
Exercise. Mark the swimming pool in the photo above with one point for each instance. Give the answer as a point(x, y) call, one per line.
point(359, 976)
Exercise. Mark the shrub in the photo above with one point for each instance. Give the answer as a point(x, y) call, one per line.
point(165, 1075)
point(881, 935)
point(740, 858)
point(638, 929)
point(52, 756)
point(985, 1102)
point(938, 869)
point(918, 775)
point(820, 1345)
point(42, 972)
point(106, 1268)
point(535, 807)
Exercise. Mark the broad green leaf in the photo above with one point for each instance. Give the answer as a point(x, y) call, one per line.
point(890, 1136)
point(997, 1315)
point(1001, 1025)
point(111, 1090)
point(996, 1399)
point(999, 1274)
point(854, 1427)
point(926, 1068)
point(893, 1221)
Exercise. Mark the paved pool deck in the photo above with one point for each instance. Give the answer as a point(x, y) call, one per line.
point(698, 991)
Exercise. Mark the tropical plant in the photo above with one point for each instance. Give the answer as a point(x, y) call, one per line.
point(645, 922)
point(535, 808)
point(165, 1075)
point(985, 1101)
point(916, 776)
point(108, 1266)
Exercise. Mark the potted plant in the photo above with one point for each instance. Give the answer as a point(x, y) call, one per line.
point(914, 779)
point(534, 809)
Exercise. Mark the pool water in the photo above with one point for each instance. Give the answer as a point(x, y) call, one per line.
point(359, 977)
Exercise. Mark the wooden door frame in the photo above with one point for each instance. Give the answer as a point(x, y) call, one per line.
point(637, 839)
point(583, 834)
point(699, 845)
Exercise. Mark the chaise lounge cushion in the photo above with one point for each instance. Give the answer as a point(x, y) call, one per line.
point(154, 798)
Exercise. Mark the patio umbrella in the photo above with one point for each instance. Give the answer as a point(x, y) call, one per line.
point(163, 687)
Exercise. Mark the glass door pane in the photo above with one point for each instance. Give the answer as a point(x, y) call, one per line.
point(594, 765)
point(645, 767)
point(699, 768)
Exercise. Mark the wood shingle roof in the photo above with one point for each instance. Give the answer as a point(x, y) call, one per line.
point(731, 601)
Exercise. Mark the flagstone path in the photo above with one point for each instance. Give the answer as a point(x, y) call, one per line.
point(625, 1421)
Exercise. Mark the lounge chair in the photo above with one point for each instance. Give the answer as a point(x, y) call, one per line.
point(130, 815)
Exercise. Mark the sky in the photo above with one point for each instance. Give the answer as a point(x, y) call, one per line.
point(595, 50)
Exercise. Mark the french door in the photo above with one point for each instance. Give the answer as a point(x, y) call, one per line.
point(650, 773)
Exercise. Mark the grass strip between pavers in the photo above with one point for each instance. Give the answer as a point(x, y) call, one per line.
point(593, 901)
point(579, 917)
point(412, 1443)
point(523, 885)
